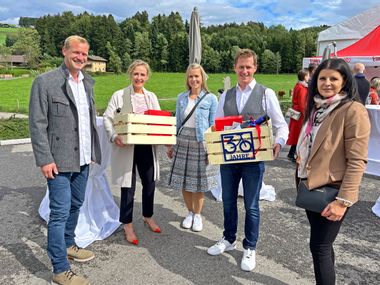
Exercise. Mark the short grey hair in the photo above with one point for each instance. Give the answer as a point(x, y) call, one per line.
point(136, 63)
point(74, 38)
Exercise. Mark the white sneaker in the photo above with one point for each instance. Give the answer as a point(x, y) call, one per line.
point(221, 246)
point(197, 223)
point(188, 221)
point(248, 262)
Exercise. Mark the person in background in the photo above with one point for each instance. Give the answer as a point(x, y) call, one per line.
point(62, 123)
point(332, 150)
point(299, 100)
point(126, 158)
point(190, 172)
point(250, 99)
point(361, 81)
point(311, 68)
point(374, 91)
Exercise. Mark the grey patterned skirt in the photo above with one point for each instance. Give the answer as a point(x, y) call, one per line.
point(190, 171)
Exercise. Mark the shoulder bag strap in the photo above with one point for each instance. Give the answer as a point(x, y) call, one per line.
point(191, 112)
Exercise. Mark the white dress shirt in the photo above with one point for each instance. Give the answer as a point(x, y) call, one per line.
point(271, 106)
point(83, 108)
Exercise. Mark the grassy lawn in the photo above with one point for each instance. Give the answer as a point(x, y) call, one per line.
point(14, 94)
point(4, 32)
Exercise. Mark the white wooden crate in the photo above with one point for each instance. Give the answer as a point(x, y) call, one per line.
point(239, 146)
point(145, 129)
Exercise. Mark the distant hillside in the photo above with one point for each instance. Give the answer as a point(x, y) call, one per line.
point(4, 32)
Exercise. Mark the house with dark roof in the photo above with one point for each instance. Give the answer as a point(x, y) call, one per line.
point(96, 64)
point(13, 60)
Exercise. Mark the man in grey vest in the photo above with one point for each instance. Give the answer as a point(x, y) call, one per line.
point(62, 122)
point(250, 99)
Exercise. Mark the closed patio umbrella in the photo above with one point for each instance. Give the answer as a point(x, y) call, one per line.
point(195, 46)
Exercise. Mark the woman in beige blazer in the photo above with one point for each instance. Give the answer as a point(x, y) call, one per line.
point(126, 158)
point(332, 149)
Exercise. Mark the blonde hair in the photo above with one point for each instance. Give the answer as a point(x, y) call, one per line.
point(245, 52)
point(136, 63)
point(203, 74)
point(375, 83)
point(74, 38)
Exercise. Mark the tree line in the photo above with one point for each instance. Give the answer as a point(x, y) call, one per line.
point(163, 41)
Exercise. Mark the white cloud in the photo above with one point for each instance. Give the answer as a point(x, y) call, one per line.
point(13, 21)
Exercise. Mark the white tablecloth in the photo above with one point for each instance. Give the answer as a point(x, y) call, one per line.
point(373, 166)
point(99, 215)
point(376, 207)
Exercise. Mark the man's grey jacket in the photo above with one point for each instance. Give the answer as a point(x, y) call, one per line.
point(53, 121)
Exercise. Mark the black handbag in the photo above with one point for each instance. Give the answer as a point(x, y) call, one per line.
point(317, 199)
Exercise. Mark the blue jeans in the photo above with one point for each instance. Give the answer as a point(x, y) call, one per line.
point(66, 195)
point(252, 175)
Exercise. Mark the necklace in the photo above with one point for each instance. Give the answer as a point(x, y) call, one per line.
point(193, 96)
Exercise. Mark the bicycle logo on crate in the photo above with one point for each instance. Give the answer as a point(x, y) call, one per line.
point(238, 146)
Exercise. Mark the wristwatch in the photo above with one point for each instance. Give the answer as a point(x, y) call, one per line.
point(344, 202)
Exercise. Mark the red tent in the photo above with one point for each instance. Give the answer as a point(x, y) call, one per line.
point(367, 46)
point(365, 50)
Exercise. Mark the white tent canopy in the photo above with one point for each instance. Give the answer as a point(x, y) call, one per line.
point(349, 31)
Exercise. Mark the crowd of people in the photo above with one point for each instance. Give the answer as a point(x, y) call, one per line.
point(328, 143)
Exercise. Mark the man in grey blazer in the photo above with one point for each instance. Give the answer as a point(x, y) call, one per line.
point(62, 122)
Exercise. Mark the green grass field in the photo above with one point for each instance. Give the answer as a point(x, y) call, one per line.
point(4, 32)
point(14, 94)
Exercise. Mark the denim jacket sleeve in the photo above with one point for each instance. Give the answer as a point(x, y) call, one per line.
point(214, 104)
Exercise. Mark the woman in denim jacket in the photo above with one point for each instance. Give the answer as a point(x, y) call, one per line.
point(190, 171)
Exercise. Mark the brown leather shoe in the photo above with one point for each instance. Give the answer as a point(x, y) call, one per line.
point(69, 278)
point(79, 254)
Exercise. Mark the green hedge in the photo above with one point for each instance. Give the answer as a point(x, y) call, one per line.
point(14, 129)
point(16, 72)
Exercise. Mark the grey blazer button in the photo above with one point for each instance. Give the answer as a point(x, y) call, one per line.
point(76, 129)
point(75, 148)
point(57, 138)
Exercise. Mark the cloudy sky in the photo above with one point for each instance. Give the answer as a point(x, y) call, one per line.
point(294, 14)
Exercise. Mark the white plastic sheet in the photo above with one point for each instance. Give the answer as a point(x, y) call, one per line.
point(376, 207)
point(267, 192)
point(99, 215)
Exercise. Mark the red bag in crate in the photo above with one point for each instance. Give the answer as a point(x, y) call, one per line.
point(220, 123)
point(158, 113)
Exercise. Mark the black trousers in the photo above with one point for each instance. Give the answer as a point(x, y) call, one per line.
point(323, 233)
point(143, 160)
point(292, 151)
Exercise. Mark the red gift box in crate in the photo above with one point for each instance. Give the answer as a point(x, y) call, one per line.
point(158, 113)
point(220, 123)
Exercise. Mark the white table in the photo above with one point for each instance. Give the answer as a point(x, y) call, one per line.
point(373, 166)
point(99, 215)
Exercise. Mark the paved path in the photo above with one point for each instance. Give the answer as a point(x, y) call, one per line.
point(5, 115)
point(178, 256)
